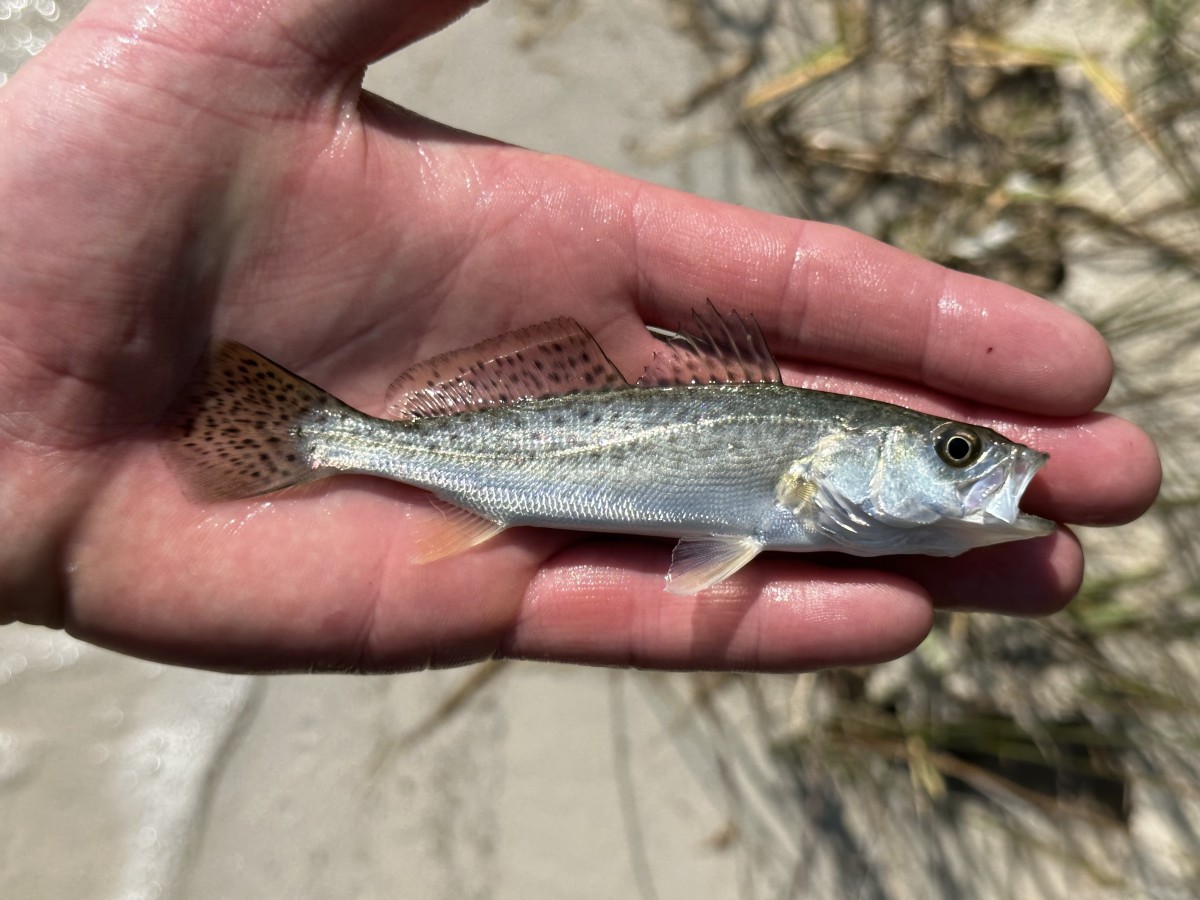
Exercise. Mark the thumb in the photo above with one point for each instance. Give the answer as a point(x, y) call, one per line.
point(337, 34)
point(288, 35)
point(355, 33)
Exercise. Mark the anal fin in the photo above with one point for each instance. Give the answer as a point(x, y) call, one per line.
point(699, 563)
point(456, 531)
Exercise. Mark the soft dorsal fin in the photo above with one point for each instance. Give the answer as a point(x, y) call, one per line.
point(718, 348)
point(547, 360)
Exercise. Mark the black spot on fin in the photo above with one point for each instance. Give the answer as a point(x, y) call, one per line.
point(715, 349)
point(235, 429)
point(547, 360)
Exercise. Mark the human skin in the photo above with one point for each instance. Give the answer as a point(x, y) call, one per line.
point(195, 168)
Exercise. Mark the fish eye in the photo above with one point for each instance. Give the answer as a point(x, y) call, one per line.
point(958, 446)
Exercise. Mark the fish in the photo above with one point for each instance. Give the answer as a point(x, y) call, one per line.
point(537, 427)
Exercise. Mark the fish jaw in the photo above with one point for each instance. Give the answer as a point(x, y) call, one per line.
point(996, 497)
point(993, 513)
point(958, 536)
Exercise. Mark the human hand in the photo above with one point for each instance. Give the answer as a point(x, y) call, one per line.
point(175, 171)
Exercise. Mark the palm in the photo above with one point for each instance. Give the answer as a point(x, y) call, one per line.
point(348, 239)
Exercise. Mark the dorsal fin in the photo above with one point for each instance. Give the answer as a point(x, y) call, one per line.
point(547, 360)
point(717, 348)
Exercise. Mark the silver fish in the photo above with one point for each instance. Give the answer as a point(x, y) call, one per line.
point(538, 427)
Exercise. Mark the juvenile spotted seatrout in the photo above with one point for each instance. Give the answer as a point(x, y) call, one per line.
point(537, 427)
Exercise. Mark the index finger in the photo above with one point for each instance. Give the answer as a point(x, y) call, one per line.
point(826, 293)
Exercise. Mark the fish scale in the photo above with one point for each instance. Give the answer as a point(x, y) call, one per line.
point(729, 467)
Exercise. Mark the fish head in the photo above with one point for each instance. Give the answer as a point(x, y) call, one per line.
point(933, 487)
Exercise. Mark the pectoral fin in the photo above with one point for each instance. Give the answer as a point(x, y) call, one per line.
point(457, 530)
point(699, 563)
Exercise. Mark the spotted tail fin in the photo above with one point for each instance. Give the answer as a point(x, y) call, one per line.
point(237, 428)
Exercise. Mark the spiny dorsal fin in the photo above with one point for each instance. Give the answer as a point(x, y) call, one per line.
point(717, 349)
point(547, 360)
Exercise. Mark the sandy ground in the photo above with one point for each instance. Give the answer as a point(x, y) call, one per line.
point(124, 779)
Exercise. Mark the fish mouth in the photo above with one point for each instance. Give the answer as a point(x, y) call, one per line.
point(994, 501)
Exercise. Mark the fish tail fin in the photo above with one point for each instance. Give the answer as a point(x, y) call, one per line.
point(236, 429)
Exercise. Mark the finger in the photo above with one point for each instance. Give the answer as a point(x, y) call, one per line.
point(308, 41)
point(353, 34)
point(821, 293)
point(1102, 470)
point(605, 603)
point(1025, 578)
point(322, 582)
point(828, 294)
